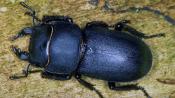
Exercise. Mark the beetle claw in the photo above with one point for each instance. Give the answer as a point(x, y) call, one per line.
point(15, 50)
point(13, 38)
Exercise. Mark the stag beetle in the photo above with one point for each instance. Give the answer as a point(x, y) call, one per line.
point(62, 49)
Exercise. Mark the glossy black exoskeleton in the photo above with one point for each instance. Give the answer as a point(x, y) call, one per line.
point(112, 53)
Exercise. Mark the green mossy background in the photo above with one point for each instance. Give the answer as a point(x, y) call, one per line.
point(12, 20)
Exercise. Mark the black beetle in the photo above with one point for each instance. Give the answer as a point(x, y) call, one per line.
point(112, 53)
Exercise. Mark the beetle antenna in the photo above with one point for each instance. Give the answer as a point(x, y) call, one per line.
point(31, 12)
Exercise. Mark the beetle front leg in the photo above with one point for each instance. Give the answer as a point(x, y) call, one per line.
point(23, 55)
point(112, 86)
point(122, 26)
point(24, 32)
point(25, 72)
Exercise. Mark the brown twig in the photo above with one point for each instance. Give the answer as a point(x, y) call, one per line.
point(166, 81)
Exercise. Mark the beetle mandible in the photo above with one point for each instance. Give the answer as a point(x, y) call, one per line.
point(62, 49)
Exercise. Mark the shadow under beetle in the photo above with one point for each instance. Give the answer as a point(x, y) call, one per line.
point(111, 53)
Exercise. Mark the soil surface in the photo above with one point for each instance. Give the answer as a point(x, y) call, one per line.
point(12, 20)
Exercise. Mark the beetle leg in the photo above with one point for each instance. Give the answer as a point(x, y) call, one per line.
point(122, 26)
point(31, 12)
point(24, 32)
point(54, 76)
point(96, 23)
point(93, 2)
point(107, 6)
point(154, 11)
point(25, 73)
point(23, 55)
point(88, 85)
point(47, 19)
point(112, 86)
point(104, 4)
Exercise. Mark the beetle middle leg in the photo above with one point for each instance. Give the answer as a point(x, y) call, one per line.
point(122, 26)
point(88, 85)
point(23, 55)
point(55, 76)
point(112, 86)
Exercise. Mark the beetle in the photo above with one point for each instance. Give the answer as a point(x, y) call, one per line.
point(62, 49)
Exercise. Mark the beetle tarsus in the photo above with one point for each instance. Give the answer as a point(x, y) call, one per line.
point(14, 77)
point(88, 85)
point(155, 35)
point(112, 86)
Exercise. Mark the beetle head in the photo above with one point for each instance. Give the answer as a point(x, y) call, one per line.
point(38, 45)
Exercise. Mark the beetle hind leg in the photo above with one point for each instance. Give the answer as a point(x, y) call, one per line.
point(23, 55)
point(112, 86)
